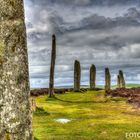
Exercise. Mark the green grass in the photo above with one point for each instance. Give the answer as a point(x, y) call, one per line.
point(133, 85)
point(94, 117)
point(127, 86)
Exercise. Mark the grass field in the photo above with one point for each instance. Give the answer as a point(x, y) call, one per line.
point(92, 117)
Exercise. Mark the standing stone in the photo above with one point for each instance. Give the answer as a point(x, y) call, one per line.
point(107, 79)
point(92, 77)
point(52, 67)
point(77, 76)
point(15, 110)
point(118, 81)
point(122, 80)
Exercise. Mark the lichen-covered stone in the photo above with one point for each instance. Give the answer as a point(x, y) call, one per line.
point(122, 80)
point(92, 77)
point(15, 113)
point(77, 76)
point(2, 46)
point(9, 9)
point(107, 79)
point(33, 104)
point(118, 81)
point(52, 67)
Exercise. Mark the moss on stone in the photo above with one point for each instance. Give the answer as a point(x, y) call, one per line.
point(2, 46)
point(8, 136)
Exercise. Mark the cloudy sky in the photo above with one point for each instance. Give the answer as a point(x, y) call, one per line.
point(101, 32)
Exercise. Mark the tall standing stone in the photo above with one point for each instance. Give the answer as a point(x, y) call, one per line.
point(118, 81)
point(107, 79)
point(122, 80)
point(92, 77)
point(15, 113)
point(52, 67)
point(77, 76)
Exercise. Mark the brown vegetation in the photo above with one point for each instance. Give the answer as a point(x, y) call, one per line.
point(45, 91)
point(132, 94)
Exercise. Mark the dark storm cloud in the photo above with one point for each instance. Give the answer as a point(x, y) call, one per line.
point(69, 34)
point(131, 18)
point(103, 32)
point(77, 2)
point(87, 2)
point(57, 25)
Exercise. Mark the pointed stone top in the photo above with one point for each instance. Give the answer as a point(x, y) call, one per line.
point(107, 69)
point(93, 66)
point(53, 36)
point(120, 72)
point(76, 61)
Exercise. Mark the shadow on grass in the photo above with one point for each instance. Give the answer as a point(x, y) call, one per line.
point(79, 102)
point(116, 99)
point(36, 138)
point(40, 111)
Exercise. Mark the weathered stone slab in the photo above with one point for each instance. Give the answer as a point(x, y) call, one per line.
point(15, 113)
